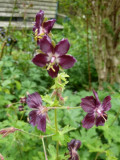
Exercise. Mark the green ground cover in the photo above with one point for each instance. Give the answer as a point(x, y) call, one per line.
point(19, 75)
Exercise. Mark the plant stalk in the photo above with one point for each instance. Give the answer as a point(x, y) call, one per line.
point(63, 108)
point(44, 149)
point(56, 127)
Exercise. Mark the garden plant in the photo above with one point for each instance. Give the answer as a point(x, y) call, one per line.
point(54, 58)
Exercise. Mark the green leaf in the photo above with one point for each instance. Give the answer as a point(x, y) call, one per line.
point(61, 136)
point(18, 85)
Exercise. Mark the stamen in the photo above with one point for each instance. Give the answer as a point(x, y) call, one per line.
point(51, 66)
point(103, 117)
point(38, 36)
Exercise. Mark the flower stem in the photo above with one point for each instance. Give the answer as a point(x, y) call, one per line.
point(63, 107)
point(41, 136)
point(116, 117)
point(44, 149)
point(56, 127)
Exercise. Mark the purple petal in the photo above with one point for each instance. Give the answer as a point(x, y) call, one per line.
point(106, 103)
point(74, 144)
point(34, 100)
point(33, 116)
point(100, 120)
point(39, 20)
point(66, 61)
point(48, 25)
point(96, 97)
point(88, 104)
point(46, 45)
point(88, 121)
point(75, 156)
point(41, 122)
point(62, 47)
point(52, 73)
point(71, 144)
point(40, 60)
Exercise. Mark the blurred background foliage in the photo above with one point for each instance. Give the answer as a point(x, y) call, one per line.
point(19, 75)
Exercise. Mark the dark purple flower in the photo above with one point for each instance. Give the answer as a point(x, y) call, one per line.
point(42, 27)
point(54, 57)
point(73, 146)
point(39, 113)
point(95, 109)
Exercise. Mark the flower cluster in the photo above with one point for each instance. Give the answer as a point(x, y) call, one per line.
point(52, 57)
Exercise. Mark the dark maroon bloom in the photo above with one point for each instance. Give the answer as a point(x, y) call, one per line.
point(39, 113)
point(95, 109)
point(42, 27)
point(54, 57)
point(73, 146)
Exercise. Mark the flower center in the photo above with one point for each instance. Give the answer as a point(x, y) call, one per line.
point(51, 63)
point(98, 111)
point(40, 34)
point(42, 110)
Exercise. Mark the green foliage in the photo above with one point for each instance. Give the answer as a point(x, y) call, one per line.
point(19, 75)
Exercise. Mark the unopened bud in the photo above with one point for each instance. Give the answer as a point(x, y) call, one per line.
point(23, 100)
point(9, 105)
point(21, 108)
point(54, 93)
point(7, 131)
point(1, 157)
point(61, 99)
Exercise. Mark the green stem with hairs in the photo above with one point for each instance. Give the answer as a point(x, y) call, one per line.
point(56, 127)
point(63, 108)
point(44, 149)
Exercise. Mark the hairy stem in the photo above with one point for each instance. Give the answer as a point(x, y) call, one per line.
point(56, 127)
point(116, 117)
point(44, 149)
point(63, 107)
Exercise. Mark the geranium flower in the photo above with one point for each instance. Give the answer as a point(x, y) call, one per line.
point(96, 110)
point(39, 113)
point(54, 57)
point(42, 27)
point(73, 146)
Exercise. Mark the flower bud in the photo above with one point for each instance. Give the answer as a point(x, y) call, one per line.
point(6, 131)
point(23, 100)
point(21, 108)
point(1, 157)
